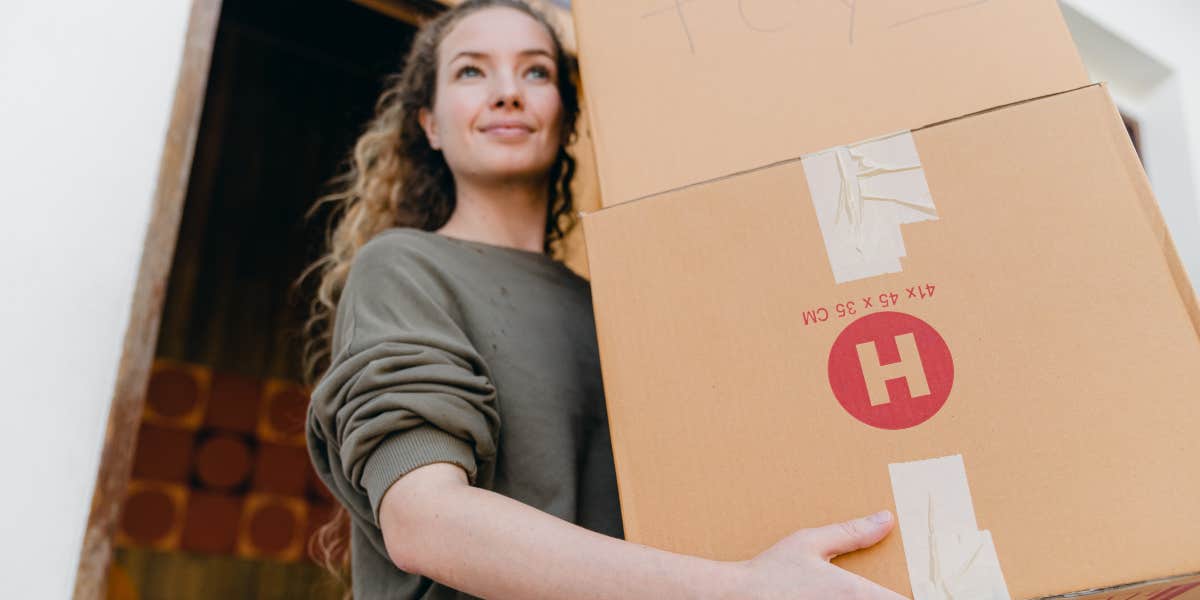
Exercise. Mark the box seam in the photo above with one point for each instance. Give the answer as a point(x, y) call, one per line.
point(798, 158)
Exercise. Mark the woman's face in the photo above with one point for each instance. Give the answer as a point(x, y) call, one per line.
point(497, 114)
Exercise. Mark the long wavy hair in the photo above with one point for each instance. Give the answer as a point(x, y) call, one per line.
point(393, 178)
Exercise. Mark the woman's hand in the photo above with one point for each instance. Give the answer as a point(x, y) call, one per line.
point(798, 567)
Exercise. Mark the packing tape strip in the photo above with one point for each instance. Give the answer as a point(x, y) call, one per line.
point(948, 557)
point(862, 194)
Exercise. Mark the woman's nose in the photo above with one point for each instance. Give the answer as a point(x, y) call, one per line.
point(507, 93)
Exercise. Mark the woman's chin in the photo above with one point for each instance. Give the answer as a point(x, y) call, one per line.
point(516, 172)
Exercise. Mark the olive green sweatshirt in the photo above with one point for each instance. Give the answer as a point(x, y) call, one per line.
point(452, 351)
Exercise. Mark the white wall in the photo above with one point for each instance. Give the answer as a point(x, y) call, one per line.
point(1149, 52)
point(85, 93)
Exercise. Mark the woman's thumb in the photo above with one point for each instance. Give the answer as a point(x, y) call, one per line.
point(840, 538)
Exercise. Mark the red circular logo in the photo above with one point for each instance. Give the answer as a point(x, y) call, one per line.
point(891, 370)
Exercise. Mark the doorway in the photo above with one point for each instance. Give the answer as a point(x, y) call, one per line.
point(221, 499)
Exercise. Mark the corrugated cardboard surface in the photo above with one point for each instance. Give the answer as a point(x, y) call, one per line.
point(1176, 588)
point(683, 91)
point(1072, 329)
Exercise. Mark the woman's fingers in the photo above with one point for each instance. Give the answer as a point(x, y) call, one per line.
point(798, 567)
point(832, 540)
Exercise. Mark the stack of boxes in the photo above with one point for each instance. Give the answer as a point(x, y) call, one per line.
point(857, 255)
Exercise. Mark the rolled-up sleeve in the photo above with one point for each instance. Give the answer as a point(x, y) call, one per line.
point(405, 387)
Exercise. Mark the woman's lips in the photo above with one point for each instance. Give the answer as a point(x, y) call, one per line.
point(508, 131)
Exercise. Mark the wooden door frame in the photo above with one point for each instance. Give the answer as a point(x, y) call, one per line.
point(137, 352)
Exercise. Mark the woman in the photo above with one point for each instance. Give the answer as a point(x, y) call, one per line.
point(461, 420)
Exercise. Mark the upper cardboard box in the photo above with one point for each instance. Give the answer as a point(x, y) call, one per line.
point(682, 91)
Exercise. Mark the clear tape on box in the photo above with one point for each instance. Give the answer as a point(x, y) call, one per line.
point(862, 193)
point(948, 557)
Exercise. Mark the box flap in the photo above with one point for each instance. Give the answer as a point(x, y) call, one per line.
point(686, 90)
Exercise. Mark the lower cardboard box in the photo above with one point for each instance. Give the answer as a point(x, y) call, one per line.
point(980, 324)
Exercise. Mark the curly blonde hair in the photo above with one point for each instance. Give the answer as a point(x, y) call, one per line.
point(394, 178)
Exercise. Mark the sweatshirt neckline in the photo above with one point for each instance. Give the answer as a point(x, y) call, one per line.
point(494, 248)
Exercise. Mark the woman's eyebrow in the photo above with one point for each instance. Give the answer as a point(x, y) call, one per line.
point(469, 54)
point(534, 51)
point(477, 54)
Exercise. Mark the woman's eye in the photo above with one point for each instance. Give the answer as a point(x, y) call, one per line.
point(538, 73)
point(468, 71)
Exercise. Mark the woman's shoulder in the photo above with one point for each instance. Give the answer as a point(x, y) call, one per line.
point(396, 260)
point(405, 250)
point(403, 243)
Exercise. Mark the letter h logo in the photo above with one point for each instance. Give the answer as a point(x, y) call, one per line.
point(914, 352)
point(909, 368)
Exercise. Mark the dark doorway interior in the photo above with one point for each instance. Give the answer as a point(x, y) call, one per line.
point(222, 500)
point(292, 83)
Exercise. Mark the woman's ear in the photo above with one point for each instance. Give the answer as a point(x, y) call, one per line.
point(425, 117)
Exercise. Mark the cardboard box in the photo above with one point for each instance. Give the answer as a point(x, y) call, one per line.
point(683, 91)
point(1055, 334)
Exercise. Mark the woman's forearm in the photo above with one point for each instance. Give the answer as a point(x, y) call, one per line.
point(492, 546)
